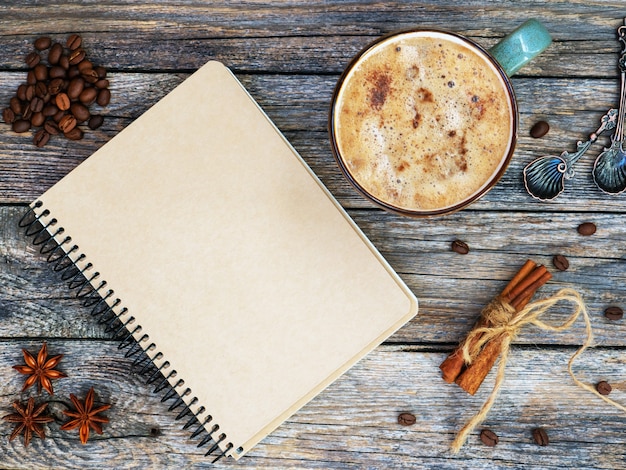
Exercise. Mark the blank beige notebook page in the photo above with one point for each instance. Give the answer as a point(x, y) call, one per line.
point(232, 256)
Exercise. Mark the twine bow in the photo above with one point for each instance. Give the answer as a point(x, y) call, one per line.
point(505, 327)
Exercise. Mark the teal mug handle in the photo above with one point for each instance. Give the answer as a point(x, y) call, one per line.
point(521, 46)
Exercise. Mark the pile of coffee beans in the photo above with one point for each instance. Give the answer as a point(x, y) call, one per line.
point(60, 87)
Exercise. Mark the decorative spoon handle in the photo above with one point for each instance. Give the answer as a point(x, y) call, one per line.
point(544, 177)
point(607, 123)
point(619, 131)
point(609, 169)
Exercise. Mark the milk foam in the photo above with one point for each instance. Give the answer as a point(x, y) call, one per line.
point(423, 121)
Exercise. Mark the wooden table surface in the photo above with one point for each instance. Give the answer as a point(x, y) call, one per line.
point(289, 55)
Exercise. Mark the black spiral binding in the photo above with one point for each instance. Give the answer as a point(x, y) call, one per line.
point(97, 298)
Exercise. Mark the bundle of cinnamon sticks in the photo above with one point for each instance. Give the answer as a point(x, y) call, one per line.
point(518, 292)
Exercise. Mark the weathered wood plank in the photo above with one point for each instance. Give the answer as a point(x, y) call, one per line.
point(299, 106)
point(452, 289)
point(308, 96)
point(289, 55)
point(352, 424)
point(279, 36)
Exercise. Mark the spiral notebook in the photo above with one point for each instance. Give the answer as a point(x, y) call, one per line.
point(217, 252)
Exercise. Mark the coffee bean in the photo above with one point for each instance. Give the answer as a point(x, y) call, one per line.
point(55, 53)
point(42, 43)
point(55, 86)
point(41, 138)
point(21, 92)
point(88, 96)
point(95, 121)
point(587, 228)
point(560, 262)
point(539, 129)
point(90, 76)
point(30, 78)
point(75, 88)
point(74, 41)
point(59, 115)
point(30, 92)
point(51, 127)
point(406, 419)
point(74, 134)
point(541, 437)
point(80, 112)
point(102, 83)
point(32, 59)
point(41, 72)
point(16, 105)
point(614, 313)
point(102, 72)
point(76, 56)
point(41, 89)
point(85, 65)
point(8, 115)
point(57, 72)
point(73, 72)
point(489, 437)
point(64, 62)
point(604, 388)
point(104, 96)
point(37, 119)
point(49, 110)
point(460, 247)
point(26, 111)
point(63, 101)
point(67, 123)
point(20, 125)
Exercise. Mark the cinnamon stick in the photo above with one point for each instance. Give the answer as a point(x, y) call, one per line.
point(475, 373)
point(526, 282)
point(524, 296)
point(524, 271)
point(453, 365)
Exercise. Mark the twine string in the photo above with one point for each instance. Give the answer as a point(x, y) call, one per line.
point(505, 325)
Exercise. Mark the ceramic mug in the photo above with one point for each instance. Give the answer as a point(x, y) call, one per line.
point(424, 122)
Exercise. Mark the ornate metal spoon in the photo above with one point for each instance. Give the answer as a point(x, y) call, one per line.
point(545, 177)
point(609, 170)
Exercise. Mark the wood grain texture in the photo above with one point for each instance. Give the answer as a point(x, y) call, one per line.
point(299, 106)
point(352, 424)
point(289, 55)
point(285, 36)
point(452, 288)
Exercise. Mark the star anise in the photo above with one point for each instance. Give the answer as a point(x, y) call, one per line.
point(85, 416)
point(41, 370)
point(28, 419)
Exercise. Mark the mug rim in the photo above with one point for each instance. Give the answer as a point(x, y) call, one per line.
point(488, 185)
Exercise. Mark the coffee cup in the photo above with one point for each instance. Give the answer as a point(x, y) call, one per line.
point(424, 122)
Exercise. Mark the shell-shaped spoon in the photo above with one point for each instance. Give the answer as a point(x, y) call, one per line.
point(609, 172)
point(545, 177)
point(609, 169)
